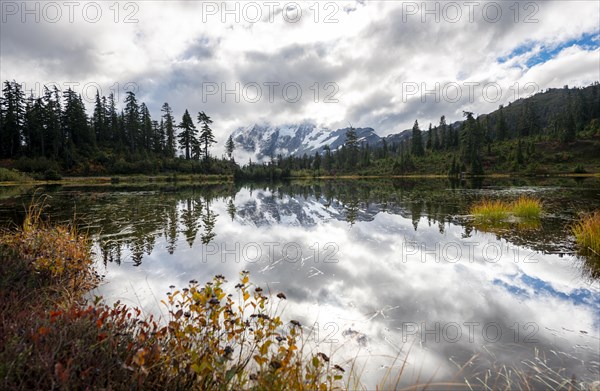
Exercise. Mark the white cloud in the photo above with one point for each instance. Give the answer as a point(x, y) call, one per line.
point(368, 52)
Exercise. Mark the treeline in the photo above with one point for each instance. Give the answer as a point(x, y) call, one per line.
point(554, 131)
point(558, 130)
point(54, 132)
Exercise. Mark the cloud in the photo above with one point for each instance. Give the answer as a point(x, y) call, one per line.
point(366, 50)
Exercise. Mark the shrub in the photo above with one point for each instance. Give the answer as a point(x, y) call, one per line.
point(579, 169)
point(51, 175)
point(211, 340)
point(37, 164)
point(7, 175)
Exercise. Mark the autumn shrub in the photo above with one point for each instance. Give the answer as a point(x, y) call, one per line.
point(50, 337)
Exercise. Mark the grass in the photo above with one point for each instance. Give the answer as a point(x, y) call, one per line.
point(7, 175)
point(526, 208)
point(587, 233)
point(491, 210)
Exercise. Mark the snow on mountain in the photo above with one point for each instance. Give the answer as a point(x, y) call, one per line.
point(264, 141)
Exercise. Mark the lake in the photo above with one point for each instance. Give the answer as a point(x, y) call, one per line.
point(377, 270)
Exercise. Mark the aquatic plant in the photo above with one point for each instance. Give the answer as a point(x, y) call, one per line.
point(526, 207)
point(490, 210)
point(587, 233)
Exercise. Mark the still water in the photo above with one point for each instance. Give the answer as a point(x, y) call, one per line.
point(374, 270)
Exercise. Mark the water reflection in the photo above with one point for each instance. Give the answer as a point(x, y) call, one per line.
point(370, 268)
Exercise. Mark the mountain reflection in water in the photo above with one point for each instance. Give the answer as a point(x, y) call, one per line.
point(371, 268)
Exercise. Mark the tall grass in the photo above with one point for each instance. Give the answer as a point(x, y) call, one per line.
point(527, 207)
point(496, 210)
point(587, 233)
point(492, 210)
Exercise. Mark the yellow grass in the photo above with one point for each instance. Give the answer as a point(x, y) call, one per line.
point(527, 207)
point(492, 210)
point(496, 210)
point(587, 233)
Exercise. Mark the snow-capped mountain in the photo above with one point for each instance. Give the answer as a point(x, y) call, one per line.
point(295, 139)
point(264, 141)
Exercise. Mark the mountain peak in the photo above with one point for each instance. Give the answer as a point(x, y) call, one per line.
point(266, 140)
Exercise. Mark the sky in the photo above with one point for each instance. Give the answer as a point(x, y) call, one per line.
point(379, 64)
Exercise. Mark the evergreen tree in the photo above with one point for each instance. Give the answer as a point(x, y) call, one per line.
point(53, 122)
point(33, 127)
point(112, 117)
point(384, 149)
point(436, 139)
point(471, 138)
point(157, 137)
point(13, 116)
point(351, 139)
point(206, 135)
point(350, 152)
point(99, 120)
point(429, 144)
point(327, 160)
point(229, 147)
point(317, 161)
point(569, 130)
point(75, 124)
point(443, 133)
point(146, 138)
point(132, 122)
point(187, 136)
point(169, 129)
point(417, 140)
point(501, 128)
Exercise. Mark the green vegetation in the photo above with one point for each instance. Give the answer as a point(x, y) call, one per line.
point(524, 207)
point(492, 210)
point(554, 132)
point(587, 233)
point(527, 207)
point(52, 135)
point(557, 131)
point(8, 175)
point(52, 338)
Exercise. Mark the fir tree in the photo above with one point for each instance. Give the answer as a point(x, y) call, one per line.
point(206, 136)
point(229, 147)
point(417, 140)
point(187, 136)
